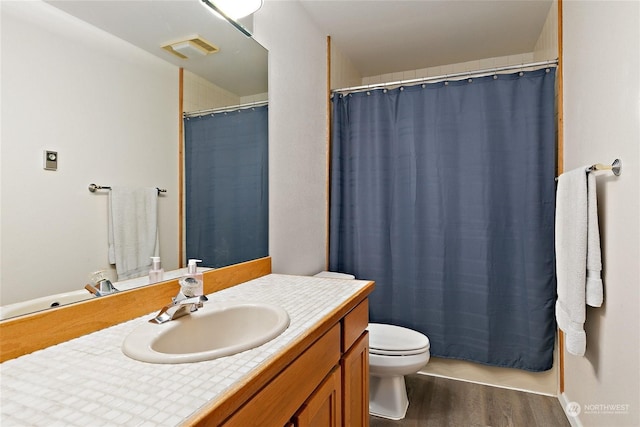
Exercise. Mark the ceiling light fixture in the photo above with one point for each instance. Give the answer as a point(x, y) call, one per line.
point(232, 10)
point(235, 9)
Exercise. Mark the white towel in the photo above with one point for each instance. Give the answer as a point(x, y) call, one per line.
point(578, 262)
point(133, 230)
point(594, 291)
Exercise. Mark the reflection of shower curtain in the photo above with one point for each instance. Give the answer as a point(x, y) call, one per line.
point(226, 186)
point(444, 195)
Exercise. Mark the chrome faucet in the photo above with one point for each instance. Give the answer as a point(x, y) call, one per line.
point(102, 291)
point(181, 306)
point(101, 285)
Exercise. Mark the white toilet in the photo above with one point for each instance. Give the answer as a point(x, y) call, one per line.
point(394, 352)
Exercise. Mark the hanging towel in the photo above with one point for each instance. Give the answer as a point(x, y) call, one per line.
point(133, 230)
point(578, 258)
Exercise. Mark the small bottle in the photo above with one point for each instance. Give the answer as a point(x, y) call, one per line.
point(192, 283)
point(156, 274)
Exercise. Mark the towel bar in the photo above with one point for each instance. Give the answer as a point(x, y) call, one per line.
point(616, 168)
point(94, 187)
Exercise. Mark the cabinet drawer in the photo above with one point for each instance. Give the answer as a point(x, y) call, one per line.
point(354, 324)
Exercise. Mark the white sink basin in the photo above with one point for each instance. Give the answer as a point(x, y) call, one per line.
point(216, 330)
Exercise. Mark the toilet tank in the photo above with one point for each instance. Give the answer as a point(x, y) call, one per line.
point(334, 275)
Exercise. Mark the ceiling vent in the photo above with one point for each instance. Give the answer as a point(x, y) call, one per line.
point(193, 47)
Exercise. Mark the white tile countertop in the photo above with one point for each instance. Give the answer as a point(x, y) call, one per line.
point(89, 381)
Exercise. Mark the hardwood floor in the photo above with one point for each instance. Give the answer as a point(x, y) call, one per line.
point(441, 402)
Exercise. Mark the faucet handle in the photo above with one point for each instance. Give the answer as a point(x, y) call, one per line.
point(196, 301)
point(179, 308)
point(93, 290)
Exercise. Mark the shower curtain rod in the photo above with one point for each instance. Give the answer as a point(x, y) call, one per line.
point(225, 109)
point(466, 74)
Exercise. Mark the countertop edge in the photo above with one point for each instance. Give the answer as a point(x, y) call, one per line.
point(226, 405)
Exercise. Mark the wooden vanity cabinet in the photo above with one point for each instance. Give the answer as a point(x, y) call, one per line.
point(355, 384)
point(355, 366)
point(343, 397)
point(325, 386)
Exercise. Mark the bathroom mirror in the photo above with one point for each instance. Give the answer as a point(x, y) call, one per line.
point(91, 81)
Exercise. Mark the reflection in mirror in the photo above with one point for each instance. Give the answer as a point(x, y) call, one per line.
point(91, 81)
point(233, 11)
point(226, 184)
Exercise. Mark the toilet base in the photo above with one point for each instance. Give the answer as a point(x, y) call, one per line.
point(388, 397)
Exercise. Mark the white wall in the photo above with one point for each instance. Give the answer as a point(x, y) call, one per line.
point(297, 136)
point(602, 122)
point(343, 72)
point(461, 67)
point(547, 45)
point(200, 94)
point(111, 112)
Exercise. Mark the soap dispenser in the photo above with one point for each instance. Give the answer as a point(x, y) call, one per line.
point(192, 282)
point(156, 274)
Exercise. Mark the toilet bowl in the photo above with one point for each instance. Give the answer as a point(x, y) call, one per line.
point(394, 352)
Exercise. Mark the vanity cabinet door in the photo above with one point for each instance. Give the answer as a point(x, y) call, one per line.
point(323, 408)
point(355, 383)
point(283, 396)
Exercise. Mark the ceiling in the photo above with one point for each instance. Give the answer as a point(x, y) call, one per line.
point(239, 67)
point(387, 36)
point(378, 36)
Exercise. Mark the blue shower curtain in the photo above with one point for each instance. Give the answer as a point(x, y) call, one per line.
point(444, 194)
point(226, 186)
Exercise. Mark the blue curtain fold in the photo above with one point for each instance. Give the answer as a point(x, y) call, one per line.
point(444, 194)
point(226, 186)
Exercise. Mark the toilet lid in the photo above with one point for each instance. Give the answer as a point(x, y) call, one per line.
point(395, 340)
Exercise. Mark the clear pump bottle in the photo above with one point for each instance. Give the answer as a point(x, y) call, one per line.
point(192, 282)
point(156, 274)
